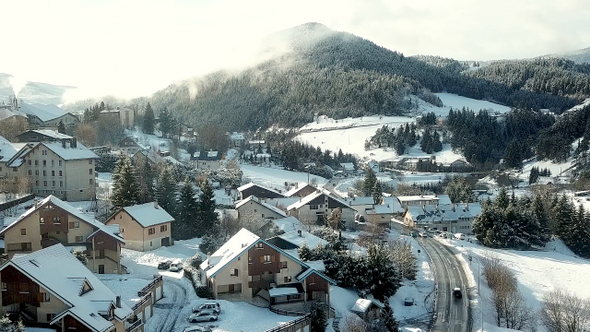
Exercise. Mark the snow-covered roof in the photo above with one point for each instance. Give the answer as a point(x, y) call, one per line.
point(394, 204)
point(444, 213)
point(230, 250)
point(301, 238)
point(252, 184)
point(303, 201)
point(51, 133)
point(300, 186)
point(70, 153)
point(282, 291)
point(414, 198)
point(379, 209)
point(347, 166)
point(281, 201)
point(288, 224)
point(303, 275)
point(317, 265)
point(88, 218)
point(360, 201)
point(43, 112)
point(7, 149)
point(262, 203)
point(148, 214)
point(444, 199)
point(362, 305)
point(63, 275)
point(236, 136)
point(208, 155)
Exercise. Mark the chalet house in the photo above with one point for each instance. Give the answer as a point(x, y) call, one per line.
point(42, 135)
point(207, 160)
point(361, 204)
point(454, 218)
point(144, 227)
point(52, 288)
point(53, 221)
point(318, 206)
point(129, 146)
point(458, 165)
point(237, 139)
point(247, 266)
point(347, 168)
point(252, 189)
point(301, 190)
point(379, 215)
point(64, 169)
point(407, 201)
point(7, 151)
point(253, 207)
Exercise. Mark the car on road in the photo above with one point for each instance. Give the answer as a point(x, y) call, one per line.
point(409, 301)
point(208, 306)
point(203, 316)
point(197, 328)
point(422, 234)
point(457, 293)
point(164, 265)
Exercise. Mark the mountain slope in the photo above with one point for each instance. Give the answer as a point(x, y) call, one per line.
point(319, 70)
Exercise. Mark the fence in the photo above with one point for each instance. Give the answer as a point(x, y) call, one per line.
point(7, 205)
point(293, 325)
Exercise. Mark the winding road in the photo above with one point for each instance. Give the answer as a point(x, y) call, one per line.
point(450, 314)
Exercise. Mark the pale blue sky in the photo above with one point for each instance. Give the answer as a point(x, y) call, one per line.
point(135, 47)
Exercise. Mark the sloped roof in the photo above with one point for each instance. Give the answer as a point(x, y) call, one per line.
point(41, 111)
point(362, 305)
point(57, 270)
point(305, 238)
point(313, 196)
point(259, 202)
point(300, 186)
point(368, 200)
point(394, 204)
point(444, 213)
point(230, 250)
point(88, 218)
point(49, 133)
point(7, 149)
point(288, 224)
point(148, 214)
point(69, 153)
point(252, 184)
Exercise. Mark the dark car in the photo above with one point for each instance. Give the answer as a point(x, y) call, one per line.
point(164, 265)
point(457, 293)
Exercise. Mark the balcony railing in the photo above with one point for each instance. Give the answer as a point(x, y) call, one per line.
point(147, 289)
point(135, 326)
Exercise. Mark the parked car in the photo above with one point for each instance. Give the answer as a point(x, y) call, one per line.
point(409, 301)
point(422, 234)
point(197, 328)
point(457, 293)
point(176, 266)
point(203, 316)
point(164, 265)
point(209, 306)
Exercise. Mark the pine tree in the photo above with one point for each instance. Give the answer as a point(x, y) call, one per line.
point(377, 193)
point(207, 215)
point(370, 180)
point(61, 128)
point(391, 324)
point(186, 221)
point(166, 122)
point(319, 317)
point(148, 120)
point(125, 192)
point(502, 201)
point(165, 190)
point(382, 274)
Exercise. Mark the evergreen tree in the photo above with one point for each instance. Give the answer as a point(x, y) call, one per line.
point(502, 201)
point(370, 180)
point(534, 175)
point(382, 274)
point(166, 123)
point(207, 216)
point(185, 225)
point(145, 181)
point(459, 190)
point(125, 192)
point(61, 128)
point(6, 325)
point(377, 193)
point(165, 190)
point(319, 317)
point(148, 120)
point(391, 324)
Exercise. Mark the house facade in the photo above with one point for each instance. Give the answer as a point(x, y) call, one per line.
point(254, 208)
point(52, 221)
point(144, 227)
point(318, 206)
point(247, 266)
point(453, 218)
point(129, 146)
point(207, 160)
point(51, 288)
point(253, 189)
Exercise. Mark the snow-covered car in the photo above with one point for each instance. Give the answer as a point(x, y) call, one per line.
point(176, 266)
point(408, 301)
point(203, 316)
point(209, 306)
point(197, 328)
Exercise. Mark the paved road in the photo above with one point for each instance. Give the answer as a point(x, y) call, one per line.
point(450, 314)
point(178, 299)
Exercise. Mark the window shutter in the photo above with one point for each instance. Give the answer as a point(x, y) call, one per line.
point(71, 225)
point(272, 258)
point(261, 259)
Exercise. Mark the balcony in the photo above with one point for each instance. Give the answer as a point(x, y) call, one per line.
point(135, 326)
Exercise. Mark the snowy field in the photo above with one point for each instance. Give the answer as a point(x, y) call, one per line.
point(350, 134)
point(537, 272)
point(275, 178)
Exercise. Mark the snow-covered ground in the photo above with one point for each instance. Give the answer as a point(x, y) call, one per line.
point(537, 272)
point(350, 134)
point(272, 177)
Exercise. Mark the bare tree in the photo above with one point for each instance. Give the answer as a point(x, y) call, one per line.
point(353, 323)
point(565, 312)
point(401, 253)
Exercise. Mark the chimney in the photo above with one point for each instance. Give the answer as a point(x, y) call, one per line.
point(63, 143)
point(156, 206)
point(118, 301)
point(36, 202)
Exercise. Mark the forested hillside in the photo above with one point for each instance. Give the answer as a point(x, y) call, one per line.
point(341, 75)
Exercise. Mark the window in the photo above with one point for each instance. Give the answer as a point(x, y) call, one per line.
point(37, 183)
point(30, 172)
point(120, 216)
point(44, 173)
point(259, 245)
point(163, 228)
point(60, 173)
point(91, 181)
point(79, 239)
point(41, 220)
point(37, 172)
point(90, 171)
point(23, 288)
point(36, 162)
point(44, 152)
point(313, 207)
point(45, 297)
point(74, 224)
point(29, 162)
point(56, 220)
point(234, 273)
point(52, 172)
point(254, 210)
point(249, 259)
point(53, 183)
point(59, 163)
point(151, 231)
point(52, 162)
point(61, 183)
point(263, 215)
point(25, 246)
point(288, 279)
point(122, 230)
point(150, 243)
point(44, 183)
point(256, 278)
point(284, 265)
point(266, 259)
point(50, 317)
point(15, 169)
point(89, 161)
point(4, 286)
point(23, 231)
point(44, 162)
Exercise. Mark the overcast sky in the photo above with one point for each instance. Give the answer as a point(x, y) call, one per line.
point(135, 47)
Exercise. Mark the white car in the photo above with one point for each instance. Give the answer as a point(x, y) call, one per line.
point(203, 316)
point(208, 306)
point(175, 267)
